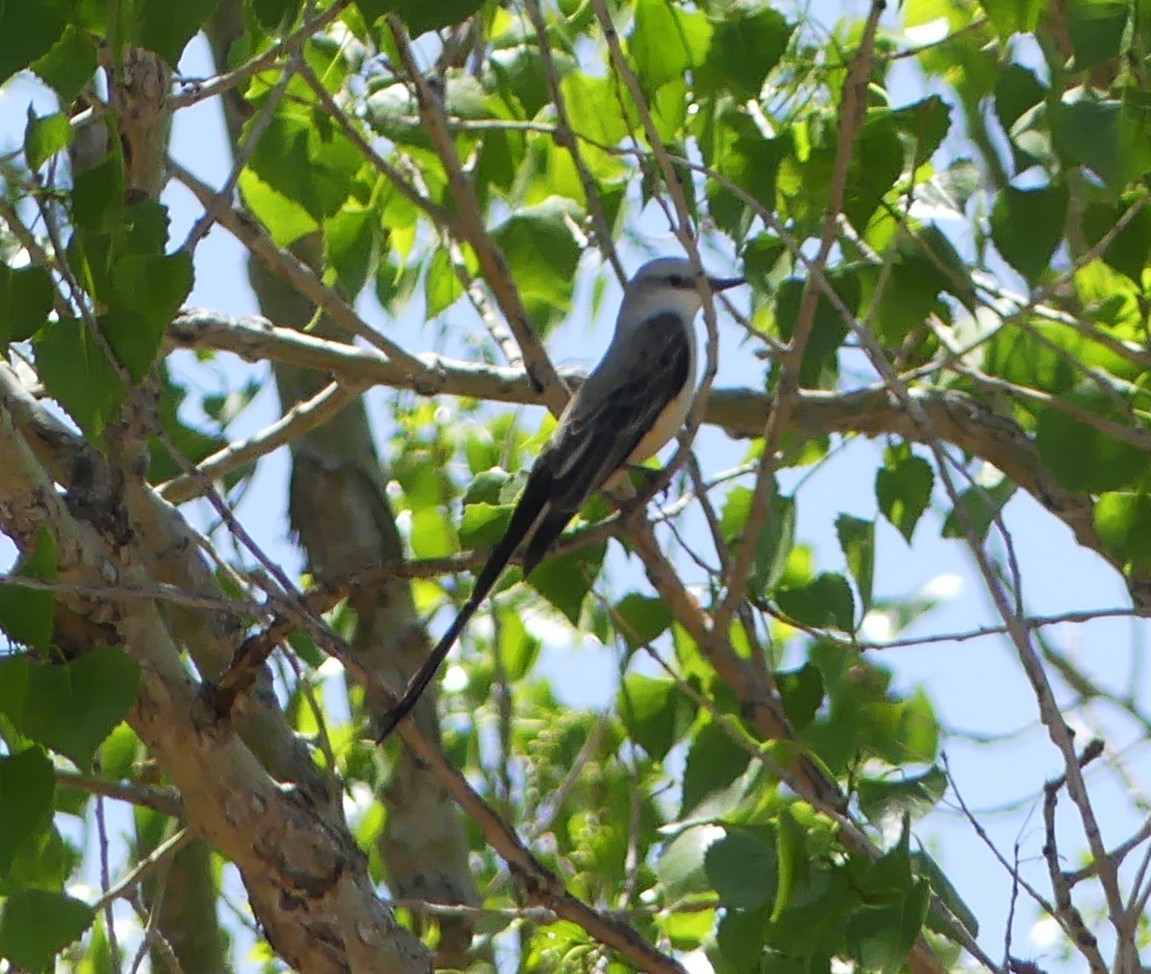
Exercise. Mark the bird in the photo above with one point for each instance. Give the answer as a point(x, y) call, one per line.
point(633, 402)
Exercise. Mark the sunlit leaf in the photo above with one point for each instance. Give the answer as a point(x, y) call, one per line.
point(27, 784)
point(903, 488)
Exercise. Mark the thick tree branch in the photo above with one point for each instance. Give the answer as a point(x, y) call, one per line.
point(306, 878)
point(956, 417)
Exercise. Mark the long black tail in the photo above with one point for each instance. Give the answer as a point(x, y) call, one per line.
point(531, 504)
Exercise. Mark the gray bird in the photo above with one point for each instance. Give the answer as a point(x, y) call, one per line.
point(633, 402)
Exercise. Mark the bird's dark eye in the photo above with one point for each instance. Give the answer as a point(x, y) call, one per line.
point(678, 280)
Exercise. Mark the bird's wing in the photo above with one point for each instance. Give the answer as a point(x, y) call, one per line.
point(609, 415)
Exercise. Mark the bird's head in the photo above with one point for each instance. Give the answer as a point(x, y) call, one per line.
point(668, 284)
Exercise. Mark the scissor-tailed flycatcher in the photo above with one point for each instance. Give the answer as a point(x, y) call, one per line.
point(633, 402)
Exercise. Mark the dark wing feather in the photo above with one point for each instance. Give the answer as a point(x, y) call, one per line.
point(609, 416)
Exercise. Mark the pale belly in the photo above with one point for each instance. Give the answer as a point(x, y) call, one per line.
point(667, 425)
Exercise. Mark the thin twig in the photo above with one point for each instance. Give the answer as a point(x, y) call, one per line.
point(301, 418)
point(289, 45)
point(243, 153)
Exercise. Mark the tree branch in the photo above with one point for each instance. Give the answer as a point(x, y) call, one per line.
point(955, 417)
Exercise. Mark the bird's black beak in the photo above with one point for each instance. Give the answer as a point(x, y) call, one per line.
point(723, 283)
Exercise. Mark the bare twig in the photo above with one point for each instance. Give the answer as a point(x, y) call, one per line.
point(243, 153)
point(302, 417)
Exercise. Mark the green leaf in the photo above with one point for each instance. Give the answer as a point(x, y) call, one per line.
point(285, 219)
point(484, 524)
point(353, 240)
point(820, 355)
point(27, 785)
point(564, 580)
point(739, 939)
point(486, 486)
point(743, 867)
point(857, 541)
point(1123, 520)
point(982, 505)
point(35, 925)
point(431, 534)
point(78, 375)
point(802, 693)
point(642, 619)
point(895, 906)
point(746, 45)
point(903, 488)
point(26, 614)
point(1083, 458)
point(666, 41)
point(713, 762)
point(880, 937)
point(687, 929)
point(305, 159)
point(419, 16)
point(1027, 226)
point(442, 287)
point(276, 14)
point(900, 731)
point(28, 29)
point(884, 801)
point(46, 860)
point(145, 229)
point(734, 146)
point(69, 63)
point(25, 301)
point(926, 264)
point(595, 110)
point(542, 255)
point(680, 868)
point(1129, 249)
point(149, 290)
point(98, 197)
point(928, 868)
point(166, 27)
point(813, 923)
point(774, 542)
point(825, 602)
point(1045, 357)
point(518, 649)
point(1017, 92)
point(655, 712)
point(791, 852)
point(1096, 29)
point(874, 168)
point(1013, 16)
point(44, 137)
point(925, 124)
point(73, 706)
point(1110, 137)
